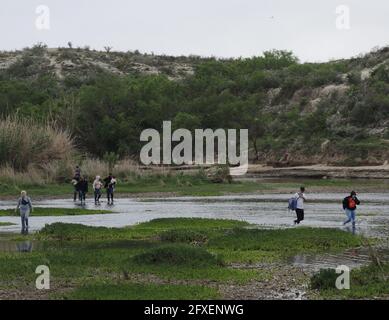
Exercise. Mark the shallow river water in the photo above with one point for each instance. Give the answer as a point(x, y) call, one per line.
point(266, 210)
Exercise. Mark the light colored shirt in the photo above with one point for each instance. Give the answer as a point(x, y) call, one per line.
point(300, 200)
point(97, 185)
point(26, 208)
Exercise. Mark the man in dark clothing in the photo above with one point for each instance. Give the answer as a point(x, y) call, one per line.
point(75, 181)
point(350, 205)
point(109, 185)
point(82, 187)
point(107, 180)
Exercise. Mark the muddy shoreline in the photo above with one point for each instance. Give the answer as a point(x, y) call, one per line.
point(319, 172)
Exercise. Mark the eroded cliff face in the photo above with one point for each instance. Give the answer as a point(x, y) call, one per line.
point(79, 62)
point(355, 119)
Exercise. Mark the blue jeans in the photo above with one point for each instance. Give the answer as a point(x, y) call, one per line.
point(97, 195)
point(110, 192)
point(350, 216)
point(24, 222)
point(82, 195)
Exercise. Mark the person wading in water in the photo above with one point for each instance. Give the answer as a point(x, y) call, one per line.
point(97, 186)
point(300, 198)
point(25, 208)
point(349, 206)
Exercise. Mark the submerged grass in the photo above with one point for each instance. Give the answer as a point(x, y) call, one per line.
point(6, 224)
point(55, 212)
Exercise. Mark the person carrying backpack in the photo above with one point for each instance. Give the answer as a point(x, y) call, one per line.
point(75, 189)
point(299, 198)
point(349, 206)
point(25, 207)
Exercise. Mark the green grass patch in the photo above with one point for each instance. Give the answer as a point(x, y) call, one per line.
point(210, 273)
point(41, 190)
point(371, 281)
point(73, 232)
point(153, 228)
point(177, 255)
point(187, 185)
point(195, 185)
point(173, 249)
point(286, 242)
point(325, 279)
point(133, 291)
point(184, 236)
point(6, 224)
point(198, 189)
point(55, 212)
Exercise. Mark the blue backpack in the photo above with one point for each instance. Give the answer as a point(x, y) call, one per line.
point(292, 204)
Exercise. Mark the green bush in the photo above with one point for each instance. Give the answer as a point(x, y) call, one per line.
point(178, 254)
point(324, 280)
point(183, 235)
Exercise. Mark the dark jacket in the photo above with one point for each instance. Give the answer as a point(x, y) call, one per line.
point(107, 181)
point(350, 203)
point(82, 186)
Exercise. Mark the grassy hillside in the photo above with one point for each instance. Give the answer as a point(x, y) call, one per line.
point(335, 112)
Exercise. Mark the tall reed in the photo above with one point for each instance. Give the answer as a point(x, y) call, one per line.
point(24, 142)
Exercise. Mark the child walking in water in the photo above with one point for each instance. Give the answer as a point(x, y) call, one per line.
point(25, 207)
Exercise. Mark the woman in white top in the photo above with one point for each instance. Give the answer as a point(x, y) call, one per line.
point(97, 187)
point(25, 207)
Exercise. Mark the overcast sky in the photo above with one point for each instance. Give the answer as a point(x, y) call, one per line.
point(222, 28)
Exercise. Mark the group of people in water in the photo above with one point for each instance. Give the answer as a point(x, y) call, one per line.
point(349, 204)
point(81, 187)
point(80, 183)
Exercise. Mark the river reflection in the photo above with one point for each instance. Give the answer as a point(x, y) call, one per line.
point(18, 246)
